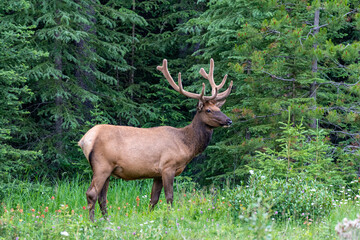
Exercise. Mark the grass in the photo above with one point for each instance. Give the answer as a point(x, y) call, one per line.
point(59, 212)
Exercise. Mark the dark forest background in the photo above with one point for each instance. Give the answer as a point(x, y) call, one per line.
point(67, 65)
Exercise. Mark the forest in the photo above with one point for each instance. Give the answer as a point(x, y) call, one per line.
point(68, 65)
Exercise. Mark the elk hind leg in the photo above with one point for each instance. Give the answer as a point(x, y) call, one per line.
point(102, 198)
point(155, 192)
point(94, 190)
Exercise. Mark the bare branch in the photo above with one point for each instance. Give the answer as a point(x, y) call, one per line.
point(279, 78)
point(340, 84)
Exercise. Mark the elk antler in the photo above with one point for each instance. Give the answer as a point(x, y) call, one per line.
point(214, 92)
point(215, 87)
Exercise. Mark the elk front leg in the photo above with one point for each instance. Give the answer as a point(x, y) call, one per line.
point(168, 182)
point(102, 198)
point(155, 192)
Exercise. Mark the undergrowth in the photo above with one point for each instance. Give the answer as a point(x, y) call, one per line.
point(263, 208)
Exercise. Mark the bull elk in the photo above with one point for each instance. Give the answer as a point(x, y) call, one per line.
point(160, 153)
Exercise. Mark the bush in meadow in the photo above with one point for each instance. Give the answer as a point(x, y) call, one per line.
point(305, 151)
point(293, 198)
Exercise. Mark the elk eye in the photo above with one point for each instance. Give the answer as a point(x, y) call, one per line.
point(208, 110)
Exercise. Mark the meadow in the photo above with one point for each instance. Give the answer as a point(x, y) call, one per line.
point(58, 211)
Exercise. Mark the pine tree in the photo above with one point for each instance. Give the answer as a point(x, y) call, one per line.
point(15, 53)
point(86, 50)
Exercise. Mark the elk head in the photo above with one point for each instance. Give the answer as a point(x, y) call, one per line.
point(208, 107)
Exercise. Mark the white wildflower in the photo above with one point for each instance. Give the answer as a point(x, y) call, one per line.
point(64, 233)
point(251, 172)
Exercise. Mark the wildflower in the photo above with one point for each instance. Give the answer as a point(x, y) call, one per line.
point(137, 200)
point(251, 172)
point(65, 233)
point(33, 210)
point(84, 207)
point(52, 198)
point(276, 212)
point(21, 211)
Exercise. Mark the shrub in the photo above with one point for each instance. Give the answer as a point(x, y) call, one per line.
point(305, 151)
point(293, 198)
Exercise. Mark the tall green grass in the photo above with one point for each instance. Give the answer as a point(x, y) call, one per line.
point(56, 211)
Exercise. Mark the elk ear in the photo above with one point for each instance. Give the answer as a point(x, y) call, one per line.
point(200, 105)
point(220, 103)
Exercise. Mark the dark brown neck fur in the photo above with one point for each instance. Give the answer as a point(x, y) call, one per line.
point(197, 135)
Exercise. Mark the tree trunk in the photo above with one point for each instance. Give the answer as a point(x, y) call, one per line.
point(58, 98)
point(132, 71)
point(314, 67)
point(83, 76)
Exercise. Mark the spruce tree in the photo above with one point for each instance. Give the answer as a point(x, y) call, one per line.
point(79, 78)
point(18, 162)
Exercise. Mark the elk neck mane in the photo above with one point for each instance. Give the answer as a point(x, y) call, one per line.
point(197, 135)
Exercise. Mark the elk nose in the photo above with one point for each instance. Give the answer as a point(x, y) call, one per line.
point(228, 122)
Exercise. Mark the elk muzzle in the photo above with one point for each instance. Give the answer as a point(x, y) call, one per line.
point(228, 122)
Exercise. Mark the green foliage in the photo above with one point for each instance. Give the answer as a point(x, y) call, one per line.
point(68, 65)
point(55, 209)
point(306, 151)
point(15, 53)
point(297, 198)
point(277, 59)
